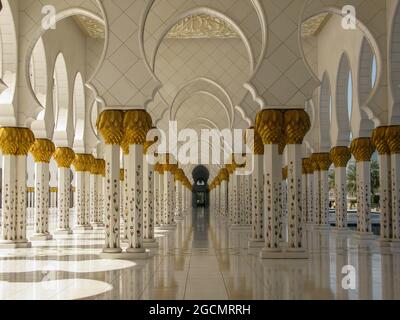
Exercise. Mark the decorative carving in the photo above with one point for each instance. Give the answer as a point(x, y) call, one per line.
point(137, 123)
point(297, 124)
point(83, 162)
point(340, 156)
point(16, 141)
point(257, 145)
point(393, 139)
point(42, 150)
point(362, 149)
point(110, 124)
point(121, 175)
point(91, 27)
point(202, 26)
point(98, 167)
point(379, 140)
point(269, 124)
point(314, 25)
point(64, 157)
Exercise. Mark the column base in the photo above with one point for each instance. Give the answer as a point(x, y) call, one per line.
point(384, 246)
point(41, 237)
point(136, 254)
point(63, 232)
point(98, 226)
point(341, 231)
point(150, 244)
point(168, 226)
point(82, 229)
point(111, 251)
point(322, 227)
point(4, 244)
point(239, 227)
point(287, 254)
point(256, 244)
point(364, 236)
point(395, 245)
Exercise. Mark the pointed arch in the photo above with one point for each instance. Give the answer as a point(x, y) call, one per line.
point(325, 113)
point(60, 93)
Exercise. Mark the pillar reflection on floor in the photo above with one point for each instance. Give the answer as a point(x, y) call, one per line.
point(202, 258)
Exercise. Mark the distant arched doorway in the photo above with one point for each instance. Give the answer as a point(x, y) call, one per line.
point(200, 189)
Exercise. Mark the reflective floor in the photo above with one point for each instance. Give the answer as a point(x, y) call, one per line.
point(201, 260)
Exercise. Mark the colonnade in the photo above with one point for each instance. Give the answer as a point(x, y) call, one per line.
point(96, 189)
point(302, 190)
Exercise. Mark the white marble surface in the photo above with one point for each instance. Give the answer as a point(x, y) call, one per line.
point(201, 259)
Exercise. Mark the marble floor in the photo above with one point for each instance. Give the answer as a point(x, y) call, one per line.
point(200, 260)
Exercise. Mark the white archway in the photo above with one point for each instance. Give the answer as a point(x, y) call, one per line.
point(60, 94)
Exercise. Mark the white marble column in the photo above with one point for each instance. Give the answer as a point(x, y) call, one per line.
point(362, 149)
point(248, 197)
point(310, 193)
point(224, 176)
point(64, 158)
point(137, 123)
point(324, 163)
point(169, 196)
point(83, 164)
point(124, 180)
point(297, 124)
point(148, 202)
point(269, 125)
point(304, 192)
point(233, 193)
point(317, 190)
point(97, 186)
point(14, 144)
point(340, 157)
point(42, 151)
point(393, 140)
point(161, 195)
point(257, 236)
point(156, 195)
point(179, 176)
point(110, 126)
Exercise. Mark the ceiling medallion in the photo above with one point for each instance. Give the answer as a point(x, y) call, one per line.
point(91, 27)
point(202, 26)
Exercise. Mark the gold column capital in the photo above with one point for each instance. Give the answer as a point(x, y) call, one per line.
point(393, 139)
point(362, 149)
point(340, 156)
point(42, 150)
point(380, 141)
point(224, 174)
point(111, 126)
point(180, 175)
point(257, 146)
point(16, 141)
point(98, 167)
point(314, 164)
point(64, 157)
point(270, 126)
point(297, 124)
point(137, 123)
point(121, 175)
point(304, 165)
point(168, 166)
point(83, 162)
point(324, 161)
